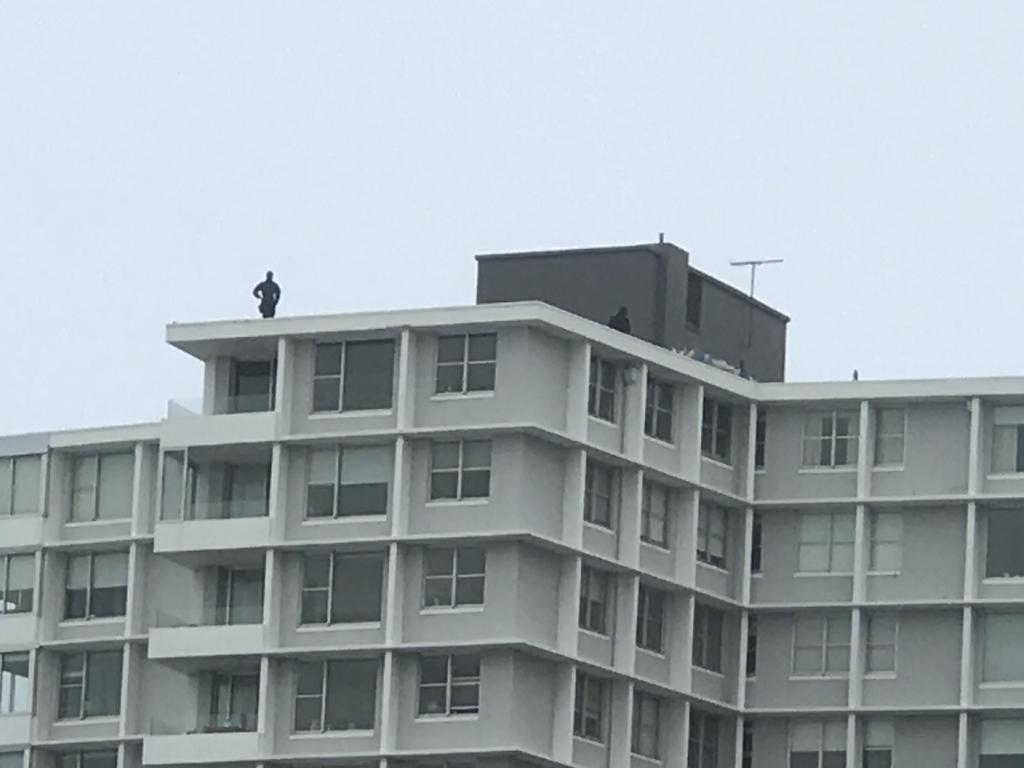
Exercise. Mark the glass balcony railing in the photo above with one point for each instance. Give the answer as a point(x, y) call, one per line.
point(227, 510)
point(238, 613)
point(192, 407)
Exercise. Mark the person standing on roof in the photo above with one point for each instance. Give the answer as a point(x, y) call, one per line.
point(269, 293)
point(620, 320)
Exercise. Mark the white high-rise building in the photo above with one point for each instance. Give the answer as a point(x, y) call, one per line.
point(503, 536)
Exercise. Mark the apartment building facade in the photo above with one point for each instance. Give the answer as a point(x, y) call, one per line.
point(506, 536)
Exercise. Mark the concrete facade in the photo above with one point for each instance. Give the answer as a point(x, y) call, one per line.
point(489, 537)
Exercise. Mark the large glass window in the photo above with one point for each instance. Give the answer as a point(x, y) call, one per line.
point(1002, 652)
point(19, 485)
point(96, 586)
point(654, 513)
point(760, 438)
point(830, 439)
point(1005, 555)
point(449, 685)
point(594, 600)
point(15, 693)
point(252, 386)
point(890, 428)
point(17, 580)
point(821, 645)
point(234, 702)
point(588, 715)
point(599, 494)
point(240, 596)
point(336, 695)
point(453, 576)
point(466, 363)
point(1007, 441)
point(886, 542)
point(650, 618)
point(601, 394)
point(97, 758)
point(716, 430)
point(817, 744)
point(756, 543)
point(658, 412)
point(343, 587)
point(646, 736)
point(752, 645)
point(101, 487)
point(879, 738)
point(460, 470)
point(354, 376)
point(881, 646)
point(826, 542)
point(15, 760)
point(90, 685)
point(707, 637)
point(349, 482)
point(703, 741)
point(712, 534)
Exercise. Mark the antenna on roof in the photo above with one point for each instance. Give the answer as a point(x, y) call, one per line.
point(754, 264)
point(661, 237)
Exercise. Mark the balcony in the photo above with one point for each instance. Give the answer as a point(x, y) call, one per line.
point(232, 419)
point(217, 738)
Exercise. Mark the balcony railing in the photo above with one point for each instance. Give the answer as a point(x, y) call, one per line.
point(227, 510)
point(239, 722)
point(191, 407)
point(240, 613)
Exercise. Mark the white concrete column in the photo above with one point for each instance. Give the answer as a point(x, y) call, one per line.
point(861, 545)
point(577, 391)
point(627, 532)
point(401, 485)
point(967, 671)
point(624, 629)
point(405, 386)
point(679, 623)
point(390, 694)
point(277, 507)
point(749, 467)
point(974, 447)
point(395, 595)
point(132, 664)
point(565, 694)
point(572, 502)
point(284, 376)
point(634, 395)
point(273, 596)
point(138, 559)
point(692, 406)
point(684, 536)
point(852, 742)
point(963, 740)
point(865, 451)
point(267, 710)
point(620, 722)
point(569, 605)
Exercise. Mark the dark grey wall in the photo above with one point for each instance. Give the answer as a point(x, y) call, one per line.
point(651, 281)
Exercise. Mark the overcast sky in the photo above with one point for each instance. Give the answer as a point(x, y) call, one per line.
point(157, 157)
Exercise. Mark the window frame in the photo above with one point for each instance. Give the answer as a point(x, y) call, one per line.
point(760, 439)
point(751, 659)
point(450, 682)
point(872, 644)
point(5, 581)
point(830, 626)
point(833, 439)
point(698, 739)
point(90, 587)
point(8, 703)
point(453, 578)
point(656, 412)
point(464, 365)
point(651, 513)
point(716, 439)
point(584, 712)
point(332, 556)
point(710, 517)
point(602, 400)
point(881, 437)
point(830, 545)
point(80, 756)
point(324, 665)
point(340, 376)
point(643, 702)
point(97, 477)
point(707, 655)
point(339, 451)
point(648, 617)
point(756, 544)
point(8, 508)
point(822, 737)
point(593, 470)
point(589, 576)
point(460, 471)
point(874, 542)
point(83, 684)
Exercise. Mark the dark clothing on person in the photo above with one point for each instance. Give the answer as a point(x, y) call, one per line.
point(269, 293)
point(620, 320)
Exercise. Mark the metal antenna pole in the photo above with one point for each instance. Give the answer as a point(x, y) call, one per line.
point(754, 264)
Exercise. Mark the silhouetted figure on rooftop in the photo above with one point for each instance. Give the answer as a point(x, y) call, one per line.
point(269, 293)
point(620, 320)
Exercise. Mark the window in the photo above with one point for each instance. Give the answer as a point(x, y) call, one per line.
point(650, 618)
point(712, 534)
point(601, 395)
point(821, 646)
point(1005, 555)
point(694, 299)
point(755, 544)
point(252, 386)
point(466, 363)
point(588, 708)
point(703, 741)
point(594, 600)
point(17, 579)
point(342, 588)
point(453, 576)
point(15, 692)
point(881, 633)
point(1002, 654)
point(646, 725)
point(879, 738)
point(19, 485)
point(336, 695)
point(826, 542)
point(817, 745)
point(96, 586)
point(101, 487)
point(716, 430)
point(658, 411)
point(449, 685)
point(353, 376)
point(748, 744)
point(886, 538)
point(1007, 441)
point(654, 514)
point(890, 429)
point(239, 596)
point(90, 685)
point(14, 760)
point(830, 439)
point(752, 645)
point(598, 496)
point(234, 702)
point(105, 758)
point(760, 438)
point(707, 637)
point(348, 482)
point(460, 470)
